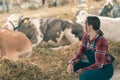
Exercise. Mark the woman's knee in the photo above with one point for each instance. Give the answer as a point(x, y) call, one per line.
point(83, 77)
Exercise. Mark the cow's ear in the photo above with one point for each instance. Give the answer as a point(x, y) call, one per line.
point(26, 19)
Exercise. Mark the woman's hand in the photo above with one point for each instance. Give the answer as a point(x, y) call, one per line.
point(70, 69)
point(79, 71)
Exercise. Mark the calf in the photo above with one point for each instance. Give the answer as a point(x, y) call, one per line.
point(14, 45)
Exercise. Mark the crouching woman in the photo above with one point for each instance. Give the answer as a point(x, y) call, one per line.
point(98, 65)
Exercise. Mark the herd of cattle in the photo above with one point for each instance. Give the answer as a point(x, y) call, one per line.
point(23, 33)
point(38, 30)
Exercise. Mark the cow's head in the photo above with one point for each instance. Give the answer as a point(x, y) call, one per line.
point(77, 30)
point(30, 27)
point(12, 22)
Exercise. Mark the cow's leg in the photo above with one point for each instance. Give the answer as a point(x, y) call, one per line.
point(25, 53)
point(1, 54)
point(60, 47)
point(16, 55)
point(11, 55)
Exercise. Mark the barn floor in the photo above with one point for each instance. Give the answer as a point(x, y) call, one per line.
point(46, 64)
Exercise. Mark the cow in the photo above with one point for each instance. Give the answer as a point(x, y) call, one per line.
point(110, 9)
point(54, 29)
point(50, 30)
point(14, 45)
point(109, 26)
point(60, 33)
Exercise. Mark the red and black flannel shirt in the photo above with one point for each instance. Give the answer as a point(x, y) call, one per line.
point(101, 53)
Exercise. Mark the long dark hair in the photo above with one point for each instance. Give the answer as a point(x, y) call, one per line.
point(95, 22)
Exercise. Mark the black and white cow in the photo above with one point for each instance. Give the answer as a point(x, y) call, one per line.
point(48, 30)
point(110, 9)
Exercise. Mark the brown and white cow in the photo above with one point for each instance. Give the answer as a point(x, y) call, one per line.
point(14, 45)
point(48, 30)
point(30, 28)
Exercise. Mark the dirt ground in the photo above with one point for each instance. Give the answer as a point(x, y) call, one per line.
point(46, 64)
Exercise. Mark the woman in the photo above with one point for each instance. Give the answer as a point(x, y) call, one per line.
point(94, 46)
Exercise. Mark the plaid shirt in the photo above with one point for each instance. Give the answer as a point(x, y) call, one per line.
point(101, 52)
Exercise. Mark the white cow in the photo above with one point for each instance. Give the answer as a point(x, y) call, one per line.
point(14, 45)
point(110, 26)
